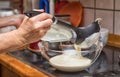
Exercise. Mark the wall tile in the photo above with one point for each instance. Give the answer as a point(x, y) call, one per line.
point(104, 4)
point(87, 3)
point(107, 17)
point(109, 54)
point(116, 59)
point(88, 16)
point(117, 4)
point(117, 23)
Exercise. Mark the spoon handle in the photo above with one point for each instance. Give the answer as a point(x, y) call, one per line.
point(34, 13)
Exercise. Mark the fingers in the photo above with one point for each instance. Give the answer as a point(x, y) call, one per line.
point(44, 24)
point(24, 20)
point(41, 17)
point(44, 15)
point(35, 27)
point(41, 10)
point(42, 33)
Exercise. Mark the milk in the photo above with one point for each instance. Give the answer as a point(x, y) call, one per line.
point(64, 60)
point(70, 63)
point(57, 34)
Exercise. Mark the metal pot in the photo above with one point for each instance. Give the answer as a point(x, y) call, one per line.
point(54, 46)
point(78, 34)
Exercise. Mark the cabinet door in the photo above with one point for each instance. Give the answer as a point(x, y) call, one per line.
point(4, 72)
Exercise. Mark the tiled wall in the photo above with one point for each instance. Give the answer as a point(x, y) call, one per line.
point(108, 10)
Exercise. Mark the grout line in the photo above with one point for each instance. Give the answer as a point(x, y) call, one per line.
point(101, 9)
point(113, 54)
point(94, 9)
point(114, 17)
point(113, 57)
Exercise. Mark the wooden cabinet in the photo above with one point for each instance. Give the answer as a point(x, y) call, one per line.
point(12, 67)
point(5, 72)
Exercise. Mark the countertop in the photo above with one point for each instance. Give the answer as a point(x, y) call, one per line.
point(25, 70)
point(114, 40)
point(19, 67)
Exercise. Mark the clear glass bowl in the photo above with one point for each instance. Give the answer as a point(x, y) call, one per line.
point(72, 60)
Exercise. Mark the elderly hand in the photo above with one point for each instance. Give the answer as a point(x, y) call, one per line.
point(29, 30)
point(33, 29)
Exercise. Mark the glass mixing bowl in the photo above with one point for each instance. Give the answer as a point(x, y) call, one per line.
point(77, 57)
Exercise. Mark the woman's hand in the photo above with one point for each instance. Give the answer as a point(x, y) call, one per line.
point(33, 29)
point(29, 30)
point(19, 18)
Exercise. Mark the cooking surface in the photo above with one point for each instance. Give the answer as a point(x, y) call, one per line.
point(99, 68)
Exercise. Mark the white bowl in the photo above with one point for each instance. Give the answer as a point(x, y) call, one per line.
point(69, 63)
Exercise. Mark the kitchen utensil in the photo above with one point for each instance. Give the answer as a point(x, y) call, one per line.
point(75, 10)
point(59, 4)
point(78, 35)
point(72, 60)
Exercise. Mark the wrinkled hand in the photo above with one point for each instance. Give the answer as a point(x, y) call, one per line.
point(18, 19)
point(33, 29)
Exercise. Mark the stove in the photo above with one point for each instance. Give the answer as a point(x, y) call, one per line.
point(101, 68)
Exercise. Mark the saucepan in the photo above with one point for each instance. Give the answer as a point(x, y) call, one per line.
point(68, 31)
point(64, 32)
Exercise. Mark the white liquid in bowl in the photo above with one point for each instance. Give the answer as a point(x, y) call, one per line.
point(57, 34)
point(70, 64)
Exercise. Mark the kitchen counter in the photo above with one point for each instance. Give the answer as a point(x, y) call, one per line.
point(114, 40)
point(16, 68)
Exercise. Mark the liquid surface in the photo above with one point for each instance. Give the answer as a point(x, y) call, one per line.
point(56, 34)
point(70, 61)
